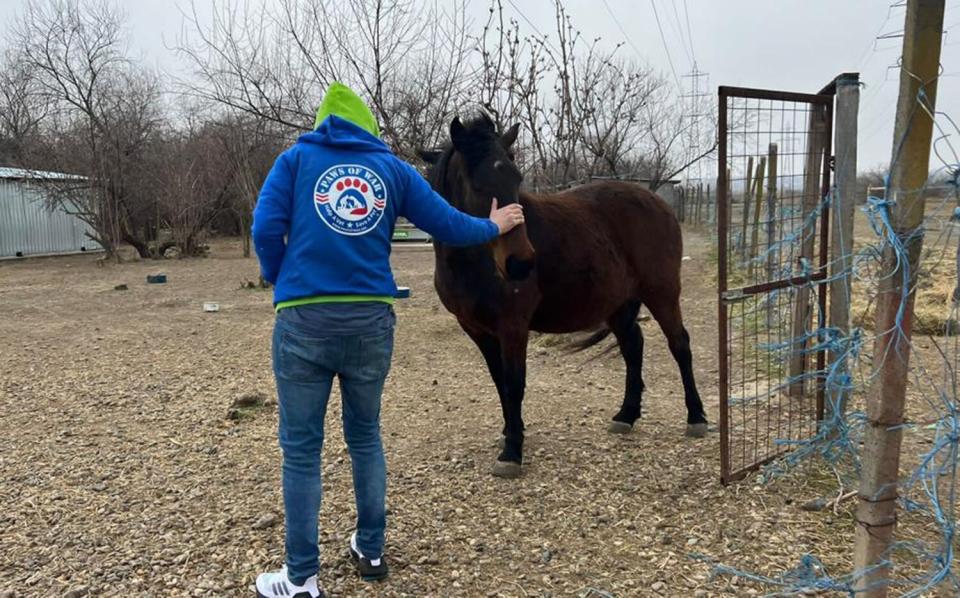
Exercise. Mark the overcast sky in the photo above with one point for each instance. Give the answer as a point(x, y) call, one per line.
point(796, 45)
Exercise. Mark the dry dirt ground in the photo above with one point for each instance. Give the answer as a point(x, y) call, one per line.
point(121, 474)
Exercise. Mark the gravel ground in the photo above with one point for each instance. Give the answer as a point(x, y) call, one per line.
point(122, 474)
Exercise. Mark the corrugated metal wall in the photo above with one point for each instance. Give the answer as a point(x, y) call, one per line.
point(28, 227)
point(668, 192)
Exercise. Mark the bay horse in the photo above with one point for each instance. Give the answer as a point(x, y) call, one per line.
point(586, 259)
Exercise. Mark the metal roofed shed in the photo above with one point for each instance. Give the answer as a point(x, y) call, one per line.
point(29, 226)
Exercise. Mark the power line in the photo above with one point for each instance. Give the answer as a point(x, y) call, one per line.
point(679, 28)
point(686, 15)
point(626, 37)
point(546, 40)
point(664, 40)
point(873, 40)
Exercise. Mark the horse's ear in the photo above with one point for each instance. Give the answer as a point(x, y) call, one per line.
point(510, 137)
point(458, 133)
point(429, 156)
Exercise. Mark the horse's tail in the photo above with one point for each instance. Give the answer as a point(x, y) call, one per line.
point(594, 339)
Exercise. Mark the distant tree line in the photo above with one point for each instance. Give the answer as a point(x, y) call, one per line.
point(940, 183)
point(168, 160)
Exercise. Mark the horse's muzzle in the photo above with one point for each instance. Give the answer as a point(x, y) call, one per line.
point(518, 268)
point(514, 255)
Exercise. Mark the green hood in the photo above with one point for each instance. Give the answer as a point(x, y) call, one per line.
point(342, 101)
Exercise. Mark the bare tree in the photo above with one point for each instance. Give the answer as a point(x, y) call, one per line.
point(585, 111)
point(100, 112)
point(248, 148)
point(613, 96)
point(872, 177)
point(193, 183)
point(497, 82)
point(275, 65)
point(22, 109)
point(73, 101)
point(667, 151)
point(565, 121)
point(432, 85)
point(252, 63)
point(582, 106)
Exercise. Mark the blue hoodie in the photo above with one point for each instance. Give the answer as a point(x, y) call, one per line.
point(324, 220)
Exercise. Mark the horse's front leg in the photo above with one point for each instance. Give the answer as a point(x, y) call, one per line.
point(513, 350)
point(489, 346)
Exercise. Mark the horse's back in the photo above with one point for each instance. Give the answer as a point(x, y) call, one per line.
point(630, 215)
point(616, 190)
point(600, 245)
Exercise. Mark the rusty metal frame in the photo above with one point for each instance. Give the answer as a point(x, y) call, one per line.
point(726, 295)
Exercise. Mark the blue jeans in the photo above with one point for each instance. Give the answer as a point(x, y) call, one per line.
point(305, 366)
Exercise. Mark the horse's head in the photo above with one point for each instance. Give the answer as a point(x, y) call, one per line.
point(473, 169)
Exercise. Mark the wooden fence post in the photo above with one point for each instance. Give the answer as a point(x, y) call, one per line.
point(683, 203)
point(755, 231)
point(812, 187)
point(711, 213)
point(692, 215)
point(771, 222)
point(729, 195)
point(747, 195)
point(842, 211)
point(876, 515)
point(699, 203)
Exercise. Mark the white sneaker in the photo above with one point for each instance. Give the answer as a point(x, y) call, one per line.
point(276, 584)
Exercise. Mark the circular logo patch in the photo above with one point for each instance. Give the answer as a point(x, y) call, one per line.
point(350, 199)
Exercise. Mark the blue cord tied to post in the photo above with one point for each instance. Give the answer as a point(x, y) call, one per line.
point(931, 487)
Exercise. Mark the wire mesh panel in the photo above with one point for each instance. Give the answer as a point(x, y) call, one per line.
point(772, 228)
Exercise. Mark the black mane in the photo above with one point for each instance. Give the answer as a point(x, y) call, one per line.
point(480, 132)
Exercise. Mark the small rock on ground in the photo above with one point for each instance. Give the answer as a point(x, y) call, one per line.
point(268, 520)
point(250, 399)
point(816, 504)
point(77, 592)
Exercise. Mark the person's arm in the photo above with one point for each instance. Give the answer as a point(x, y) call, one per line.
point(271, 218)
point(431, 213)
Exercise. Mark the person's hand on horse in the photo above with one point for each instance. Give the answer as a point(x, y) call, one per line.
point(507, 217)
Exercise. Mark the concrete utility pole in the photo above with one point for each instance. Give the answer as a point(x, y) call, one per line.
point(876, 514)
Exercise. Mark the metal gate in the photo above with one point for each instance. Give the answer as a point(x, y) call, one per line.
point(774, 175)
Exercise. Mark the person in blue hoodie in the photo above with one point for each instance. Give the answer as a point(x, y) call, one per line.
point(322, 229)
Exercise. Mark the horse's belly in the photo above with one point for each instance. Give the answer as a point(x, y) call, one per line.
point(577, 308)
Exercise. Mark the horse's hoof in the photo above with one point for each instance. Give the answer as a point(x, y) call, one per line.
point(697, 430)
point(616, 427)
point(506, 469)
